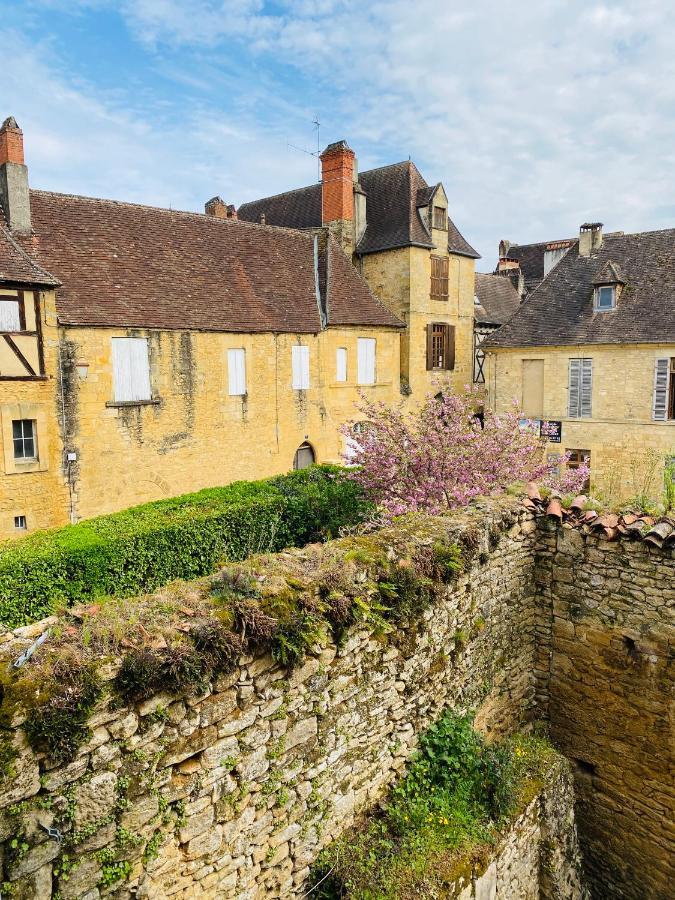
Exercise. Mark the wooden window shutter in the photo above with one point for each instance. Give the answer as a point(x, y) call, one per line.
point(341, 364)
point(449, 354)
point(300, 367)
point(236, 372)
point(573, 401)
point(586, 387)
point(439, 277)
point(660, 401)
point(430, 355)
point(131, 370)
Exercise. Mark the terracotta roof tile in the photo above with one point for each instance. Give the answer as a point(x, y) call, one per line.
point(16, 266)
point(122, 264)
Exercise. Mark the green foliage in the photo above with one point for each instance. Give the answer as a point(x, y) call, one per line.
point(58, 726)
point(8, 756)
point(669, 485)
point(140, 549)
point(445, 812)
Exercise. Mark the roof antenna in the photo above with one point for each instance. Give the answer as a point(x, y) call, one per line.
point(317, 152)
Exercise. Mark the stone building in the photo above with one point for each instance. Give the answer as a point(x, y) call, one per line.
point(398, 231)
point(592, 350)
point(495, 301)
point(149, 352)
point(526, 265)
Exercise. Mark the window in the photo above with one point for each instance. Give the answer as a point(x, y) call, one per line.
point(131, 370)
point(300, 366)
point(440, 219)
point(533, 388)
point(341, 364)
point(580, 388)
point(365, 369)
point(663, 405)
point(304, 456)
point(10, 314)
point(236, 372)
point(579, 458)
point(24, 437)
point(440, 346)
point(605, 297)
point(439, 277)
point(20, 523)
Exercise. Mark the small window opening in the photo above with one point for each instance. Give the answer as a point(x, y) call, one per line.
point(23, 435)
point(606, 297)
point(631, 647)
point(20, 523)
point(584, 767)
point(440, 217)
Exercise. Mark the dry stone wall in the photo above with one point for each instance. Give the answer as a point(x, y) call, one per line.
point(233, 792)
point(608, 663)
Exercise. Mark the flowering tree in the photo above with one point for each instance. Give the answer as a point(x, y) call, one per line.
point(443, 455)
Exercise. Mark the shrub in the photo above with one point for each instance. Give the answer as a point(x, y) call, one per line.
point(141, 549)
point(448, 808)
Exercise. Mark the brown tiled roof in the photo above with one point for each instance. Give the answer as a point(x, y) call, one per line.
point(531, 259)
point(16, 266)
point(656, 530)
point(123, 264)
point(561, 311)
point(497, 299)
point(393, 195)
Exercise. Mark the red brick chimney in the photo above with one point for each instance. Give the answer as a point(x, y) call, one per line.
point(11, 142)
point(337, 183)
point(14, 195)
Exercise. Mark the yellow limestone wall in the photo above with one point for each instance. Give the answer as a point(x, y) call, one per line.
point(37, 489)
point(402, 279)
point(197, 435)
point(627, 447)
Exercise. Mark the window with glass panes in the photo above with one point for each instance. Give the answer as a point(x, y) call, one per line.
point(23, 435)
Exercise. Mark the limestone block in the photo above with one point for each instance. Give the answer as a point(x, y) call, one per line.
point(26, 780)
point(142, 810)
point(123, 728)
point(82, 878)
point(95, 798)
point(35, 858)
point(301, 733)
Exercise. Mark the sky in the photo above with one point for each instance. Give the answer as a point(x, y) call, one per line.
point(536, 116)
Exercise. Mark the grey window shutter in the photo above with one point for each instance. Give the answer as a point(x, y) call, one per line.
point(586, 388)
point(574, 398)
point(660, 405)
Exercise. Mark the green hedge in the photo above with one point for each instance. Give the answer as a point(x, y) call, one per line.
point(142, 548)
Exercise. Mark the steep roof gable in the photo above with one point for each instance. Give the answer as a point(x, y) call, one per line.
point(394, 195)
point(125, 265)
point(497, 299)
point(561, 311)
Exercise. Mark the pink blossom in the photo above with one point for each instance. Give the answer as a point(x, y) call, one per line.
point(441, 455)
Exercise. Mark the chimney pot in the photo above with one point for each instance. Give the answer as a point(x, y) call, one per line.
point(231, 211)
point(14, 195)
point(263, 218)
point(216, 207)
point(590, 237)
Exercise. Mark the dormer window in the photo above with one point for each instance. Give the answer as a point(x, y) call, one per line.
point(440, 218)
point(605, 297)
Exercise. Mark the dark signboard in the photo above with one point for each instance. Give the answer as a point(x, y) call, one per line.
point(551, 430)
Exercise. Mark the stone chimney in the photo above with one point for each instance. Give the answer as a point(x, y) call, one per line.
point(337, 192)
point(505, 264)
point(590, 238)
point(504, 247)
point(216, 207)
point(14, 197)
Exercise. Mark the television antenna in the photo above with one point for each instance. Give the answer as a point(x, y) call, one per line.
point(317, 152)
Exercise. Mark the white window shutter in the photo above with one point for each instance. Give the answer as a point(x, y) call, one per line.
point(341, 364)
point(573, 400)
point(300, 368)
point(131, 370)
point(365, 360)
point(236, 372)
point(586, 388)
point(660, 404)
point(10, 320)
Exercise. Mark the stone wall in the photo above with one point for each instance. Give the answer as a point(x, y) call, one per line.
point(233, 792)
point(607, 660)
point(538, 858)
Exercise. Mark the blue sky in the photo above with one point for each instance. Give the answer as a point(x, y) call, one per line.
point(536, 116)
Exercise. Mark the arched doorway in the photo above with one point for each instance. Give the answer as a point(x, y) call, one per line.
point(304, 456)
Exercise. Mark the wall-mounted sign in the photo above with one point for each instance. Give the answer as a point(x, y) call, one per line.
point(551, 430)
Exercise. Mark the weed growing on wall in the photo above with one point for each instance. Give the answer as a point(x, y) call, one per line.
point(457, 795)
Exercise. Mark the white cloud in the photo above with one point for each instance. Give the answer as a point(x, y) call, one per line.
point(536, 116)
